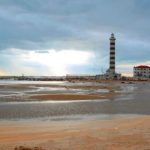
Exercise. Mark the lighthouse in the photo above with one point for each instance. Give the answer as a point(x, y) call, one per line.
point(112, 57)
point(111, 72)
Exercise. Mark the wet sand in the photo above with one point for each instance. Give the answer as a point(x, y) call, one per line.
point(63, 91)
point(117, 134)
point(73, 96)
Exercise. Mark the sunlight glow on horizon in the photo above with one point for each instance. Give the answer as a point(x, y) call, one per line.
point(56, 62)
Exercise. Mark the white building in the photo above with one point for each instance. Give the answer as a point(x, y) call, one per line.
point(141, 71)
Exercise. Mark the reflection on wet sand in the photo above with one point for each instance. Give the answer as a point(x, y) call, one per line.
point(25, 91)
point(63, 99)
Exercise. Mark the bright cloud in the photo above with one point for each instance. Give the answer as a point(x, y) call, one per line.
point(57, 58)
point(51, 62)
point(57, 61)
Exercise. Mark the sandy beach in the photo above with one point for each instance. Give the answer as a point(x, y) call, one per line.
point(128, 128)
point(131, 133)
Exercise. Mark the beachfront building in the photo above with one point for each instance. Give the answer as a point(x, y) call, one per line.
point(141, 71)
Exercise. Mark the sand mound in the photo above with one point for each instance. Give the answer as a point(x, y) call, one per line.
point(27, 148)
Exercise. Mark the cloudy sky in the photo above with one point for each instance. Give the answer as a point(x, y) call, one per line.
point(58, 37)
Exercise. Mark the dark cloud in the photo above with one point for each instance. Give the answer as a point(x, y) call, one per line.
point(77, 24)
point(39, 21)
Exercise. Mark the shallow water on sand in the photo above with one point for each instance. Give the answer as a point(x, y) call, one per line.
point(11, 89)
point(137, 101)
